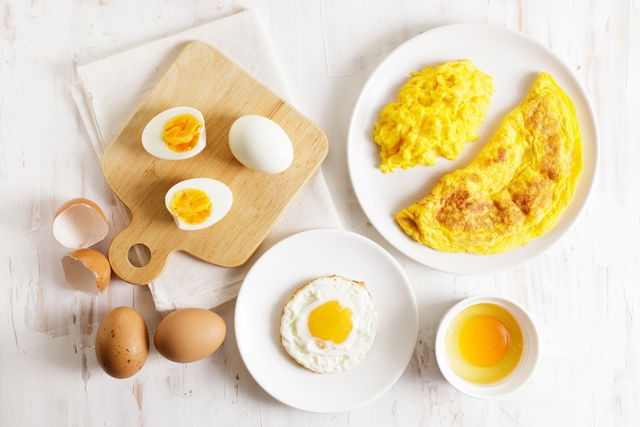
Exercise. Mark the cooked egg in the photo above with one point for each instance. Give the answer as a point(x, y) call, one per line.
point(484, 343)
point(329, 324)
point(515, 189)
point(175, 134)
point(437, 112)
point(260, 144)
point(198, 203)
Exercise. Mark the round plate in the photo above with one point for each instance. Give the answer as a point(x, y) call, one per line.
point(514, 61)
point(271, 282)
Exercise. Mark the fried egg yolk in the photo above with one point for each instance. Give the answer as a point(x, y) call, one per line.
point(484, 343)
point(191, 206)
point(182, 132)
point(484, 340)
point(330, 322)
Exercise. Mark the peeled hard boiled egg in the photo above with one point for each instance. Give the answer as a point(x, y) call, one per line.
point(79, 223)
point(260, 144)
point(198, 203)
point(175, 134)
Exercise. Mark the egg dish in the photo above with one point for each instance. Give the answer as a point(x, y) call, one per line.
point(437, 112)
point(198, 203)
point(484, 343)
point(329, 324)
point(515, 189)
point(175, 134)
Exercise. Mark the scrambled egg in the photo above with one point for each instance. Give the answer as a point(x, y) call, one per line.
point(437, 112)
point(517, 187)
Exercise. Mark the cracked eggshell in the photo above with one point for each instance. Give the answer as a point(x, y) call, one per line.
point(79, 223)
point(86, 270)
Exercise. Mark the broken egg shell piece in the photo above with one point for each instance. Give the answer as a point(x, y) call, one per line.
point(79, 223)
point(86, 270)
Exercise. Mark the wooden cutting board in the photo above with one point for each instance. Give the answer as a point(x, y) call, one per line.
point(203, 78)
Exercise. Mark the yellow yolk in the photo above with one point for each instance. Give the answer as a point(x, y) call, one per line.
point(182, 132)
point(191, 206)
point(484, 343)
point(484, 340)
point(330, 322)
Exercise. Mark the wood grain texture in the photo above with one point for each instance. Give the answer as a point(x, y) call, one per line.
point(202, 78)
point(583, 293)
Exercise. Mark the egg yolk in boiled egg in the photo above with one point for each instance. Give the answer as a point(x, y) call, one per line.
point(484, 343)
point(191, 206)
point(182, 132)
point(330, 322)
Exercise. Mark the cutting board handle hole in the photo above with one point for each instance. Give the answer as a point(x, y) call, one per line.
point(139, 255)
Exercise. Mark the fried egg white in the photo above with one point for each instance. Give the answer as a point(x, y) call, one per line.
point(329, 324)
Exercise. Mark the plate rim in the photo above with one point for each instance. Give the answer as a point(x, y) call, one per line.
point(406, 281)
point(590, 113)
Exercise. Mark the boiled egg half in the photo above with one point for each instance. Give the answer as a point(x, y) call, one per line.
point(329, 324)
point(198, 203)
point(175, 134)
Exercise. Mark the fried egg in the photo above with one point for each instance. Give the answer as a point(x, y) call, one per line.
point(516, 188)
point(437, 112)
point(175, 134)
point(198, 203)
point(329, 324)
point(484, 343)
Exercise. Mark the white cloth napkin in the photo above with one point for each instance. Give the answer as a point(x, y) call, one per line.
point(107, 94)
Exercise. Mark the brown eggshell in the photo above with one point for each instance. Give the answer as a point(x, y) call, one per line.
point(79, 223)
point(86, 270)
point(189, 334)
point(122, 342)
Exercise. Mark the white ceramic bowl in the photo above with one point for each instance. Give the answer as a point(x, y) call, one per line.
point(515, 379)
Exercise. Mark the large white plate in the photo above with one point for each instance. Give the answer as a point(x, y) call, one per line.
point(271, 282)
point(513, 60)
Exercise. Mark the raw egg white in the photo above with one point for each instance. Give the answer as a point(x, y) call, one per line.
point(484, 343)
point(175, 134)
point(198, 203)
point(329, 324)
point(260, 144)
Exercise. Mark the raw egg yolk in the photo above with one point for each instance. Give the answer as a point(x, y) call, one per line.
point(181, 133)
point(484, 340)
point(191, 206)
point(330, 321)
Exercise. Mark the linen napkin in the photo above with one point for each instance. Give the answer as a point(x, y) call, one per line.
point(110, 89)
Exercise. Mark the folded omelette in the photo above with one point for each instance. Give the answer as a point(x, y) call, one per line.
point(517, 187)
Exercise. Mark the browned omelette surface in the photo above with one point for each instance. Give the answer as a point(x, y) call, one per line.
point(515, 189)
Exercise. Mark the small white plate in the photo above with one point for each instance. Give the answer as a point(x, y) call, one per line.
point(513, 60)
point(271, 282)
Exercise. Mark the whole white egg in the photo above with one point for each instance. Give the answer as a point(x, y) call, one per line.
point(260, 144)
point(198, 203)
point(154, 141)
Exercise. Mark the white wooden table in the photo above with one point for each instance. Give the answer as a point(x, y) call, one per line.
point(584, 292)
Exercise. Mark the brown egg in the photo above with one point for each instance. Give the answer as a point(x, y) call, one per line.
point(122, 342)
point(189, 334)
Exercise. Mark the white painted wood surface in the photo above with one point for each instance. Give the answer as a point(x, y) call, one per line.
point(584, 292)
